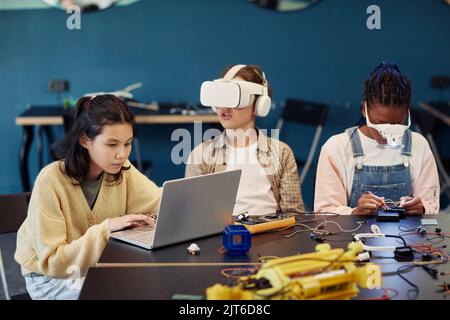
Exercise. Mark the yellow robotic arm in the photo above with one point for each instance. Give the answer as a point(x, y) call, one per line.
point(325, 274)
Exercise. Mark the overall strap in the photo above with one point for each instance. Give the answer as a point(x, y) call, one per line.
point(407, 141)
point(355, 141)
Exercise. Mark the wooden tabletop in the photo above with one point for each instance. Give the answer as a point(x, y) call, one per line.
point(45, 115)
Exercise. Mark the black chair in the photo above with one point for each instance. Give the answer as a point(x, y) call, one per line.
point(13, 211)
point(309, 114)
point(426, 124)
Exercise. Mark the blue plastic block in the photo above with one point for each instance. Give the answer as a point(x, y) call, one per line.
point(237, 240)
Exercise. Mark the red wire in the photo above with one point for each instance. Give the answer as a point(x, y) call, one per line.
point(439, 233)
point(386, 295)
point(407, 233)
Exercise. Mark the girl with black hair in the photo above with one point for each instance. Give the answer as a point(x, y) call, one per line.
point(379, 163)
point(91, 190)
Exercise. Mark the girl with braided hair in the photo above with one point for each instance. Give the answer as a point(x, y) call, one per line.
point(365, 168)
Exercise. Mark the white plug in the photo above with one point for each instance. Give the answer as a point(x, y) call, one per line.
point(375, 229)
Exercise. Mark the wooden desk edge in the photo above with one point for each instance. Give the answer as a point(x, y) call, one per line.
point(140, 119)
point(171, 119)
point(30, 121)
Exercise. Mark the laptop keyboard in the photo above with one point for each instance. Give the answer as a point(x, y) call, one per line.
point(140, 234)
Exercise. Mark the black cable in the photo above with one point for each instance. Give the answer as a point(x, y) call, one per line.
point(404, 228)
point(311, 213)
point(380, 257)
point(340, 234)
point(333, 240)
point(408, 268)
point(398, 237)
point(441, 238)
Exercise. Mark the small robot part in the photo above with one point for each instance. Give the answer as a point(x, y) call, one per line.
point(193, 249)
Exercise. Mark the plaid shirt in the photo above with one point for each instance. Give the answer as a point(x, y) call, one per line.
point(275, 157)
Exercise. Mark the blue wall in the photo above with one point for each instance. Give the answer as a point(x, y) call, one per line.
point(321, 54)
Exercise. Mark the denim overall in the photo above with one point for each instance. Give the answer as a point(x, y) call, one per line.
point(390, 182)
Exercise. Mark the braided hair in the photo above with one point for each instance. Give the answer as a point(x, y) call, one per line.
point(387, 86)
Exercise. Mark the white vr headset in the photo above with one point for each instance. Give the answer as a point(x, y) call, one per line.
point(393, 133)
point(229, 93)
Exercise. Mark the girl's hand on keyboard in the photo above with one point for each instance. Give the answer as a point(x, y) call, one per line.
point(129, 220)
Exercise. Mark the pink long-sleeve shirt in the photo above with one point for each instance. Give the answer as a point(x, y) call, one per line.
point(337, 166)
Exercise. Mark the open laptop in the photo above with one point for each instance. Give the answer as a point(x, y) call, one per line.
point(190, 208)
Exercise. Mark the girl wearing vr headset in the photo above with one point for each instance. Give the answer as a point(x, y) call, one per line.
point(78, 200)
point(379, 164)
point(269, 181)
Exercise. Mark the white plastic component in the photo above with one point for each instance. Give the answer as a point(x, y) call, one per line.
point(365, 256)
point(193, 249)
point(375, 229)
